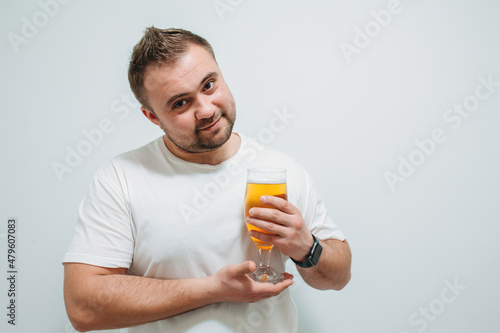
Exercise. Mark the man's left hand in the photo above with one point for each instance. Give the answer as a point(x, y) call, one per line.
point(286, 225)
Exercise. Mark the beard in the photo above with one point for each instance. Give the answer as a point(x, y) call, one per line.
point(201, 142)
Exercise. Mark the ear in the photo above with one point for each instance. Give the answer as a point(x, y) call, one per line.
point(150, 115)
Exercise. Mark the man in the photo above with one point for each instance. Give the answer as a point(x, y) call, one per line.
point(161, 244)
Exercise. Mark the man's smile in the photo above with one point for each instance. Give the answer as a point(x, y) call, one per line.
point(211, 126)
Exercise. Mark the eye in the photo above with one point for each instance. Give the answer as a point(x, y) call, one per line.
point(179, 104)
point(209, 85)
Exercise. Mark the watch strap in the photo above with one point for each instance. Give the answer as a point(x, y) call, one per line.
point(313, 257)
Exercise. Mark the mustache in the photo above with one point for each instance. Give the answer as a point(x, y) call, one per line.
point(209, 121)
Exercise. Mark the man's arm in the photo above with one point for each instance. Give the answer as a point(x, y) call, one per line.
point(99, 298)
point(333, 270)
point(290, 234)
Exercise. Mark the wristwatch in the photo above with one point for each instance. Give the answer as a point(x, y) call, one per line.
point(313, 258)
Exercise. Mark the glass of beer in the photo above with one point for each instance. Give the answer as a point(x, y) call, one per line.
point(264, 181)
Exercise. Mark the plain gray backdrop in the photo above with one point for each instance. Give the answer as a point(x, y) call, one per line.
point(393, 108)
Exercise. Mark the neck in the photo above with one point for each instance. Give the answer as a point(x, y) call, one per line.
point(221, 154)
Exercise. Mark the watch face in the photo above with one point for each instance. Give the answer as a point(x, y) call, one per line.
point(316, 253)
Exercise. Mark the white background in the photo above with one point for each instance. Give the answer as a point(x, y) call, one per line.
point(357, 117)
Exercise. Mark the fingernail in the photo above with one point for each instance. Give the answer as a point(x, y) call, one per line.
point(251, 211)
point(263, 199)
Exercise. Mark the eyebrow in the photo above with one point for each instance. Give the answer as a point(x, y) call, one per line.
point(173, 98)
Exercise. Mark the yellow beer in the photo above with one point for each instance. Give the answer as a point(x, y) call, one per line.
point(271, 182)
point(252, 199)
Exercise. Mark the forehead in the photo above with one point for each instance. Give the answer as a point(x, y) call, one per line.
point(183, 75)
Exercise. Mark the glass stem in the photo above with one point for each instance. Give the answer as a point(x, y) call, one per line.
point(265, 258)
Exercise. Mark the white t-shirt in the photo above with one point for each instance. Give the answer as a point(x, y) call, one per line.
point(163, 217)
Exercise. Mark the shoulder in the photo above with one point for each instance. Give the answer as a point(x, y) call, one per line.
point(141, 154)
point(131, 160)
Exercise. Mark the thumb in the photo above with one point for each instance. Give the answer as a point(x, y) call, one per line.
point(244, 268)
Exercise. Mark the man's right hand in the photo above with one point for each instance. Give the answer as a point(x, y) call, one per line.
point(236, 286)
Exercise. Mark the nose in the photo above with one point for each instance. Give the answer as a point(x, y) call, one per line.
point(204, 107)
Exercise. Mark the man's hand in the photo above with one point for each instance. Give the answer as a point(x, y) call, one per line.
point(291, 235)
point(236, 286)
point(286, 225)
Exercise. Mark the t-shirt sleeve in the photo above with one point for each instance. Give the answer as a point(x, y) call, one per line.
point(314, 211)
point(103, 234)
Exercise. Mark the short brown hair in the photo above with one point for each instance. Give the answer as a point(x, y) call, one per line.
point(156, 48)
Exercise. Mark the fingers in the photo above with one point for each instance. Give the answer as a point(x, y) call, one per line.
point(272, 289)
point(274, 223)
point(235, 285)
point(279, 212)
point(248, 267)
point(280, 286)
point(273, 231)
point(278, 203)
point(267, 214)
point(266, 238)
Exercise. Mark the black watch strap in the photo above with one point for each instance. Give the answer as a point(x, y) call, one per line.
point(314, 254)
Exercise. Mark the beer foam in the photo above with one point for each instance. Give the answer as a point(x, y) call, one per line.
point(267, 181)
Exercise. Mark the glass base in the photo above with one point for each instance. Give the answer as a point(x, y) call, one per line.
point(266, 274)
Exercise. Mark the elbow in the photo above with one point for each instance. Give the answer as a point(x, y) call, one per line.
point(78, 328)
point(82, 298)
point(344, 275)
point(334, 284)
point(330, 282)
point(340, 285)
point(81, 317)
point(81, 320)
point(79, 323)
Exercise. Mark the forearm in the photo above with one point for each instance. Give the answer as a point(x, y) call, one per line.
point(99, 298)
point(116, 300)
point(333, 270)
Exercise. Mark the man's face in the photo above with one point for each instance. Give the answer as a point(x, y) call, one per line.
point(191, 101)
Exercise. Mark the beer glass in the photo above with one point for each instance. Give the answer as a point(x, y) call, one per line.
point(264, 181)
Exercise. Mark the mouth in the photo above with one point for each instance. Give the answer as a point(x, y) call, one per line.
point(211, 126)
